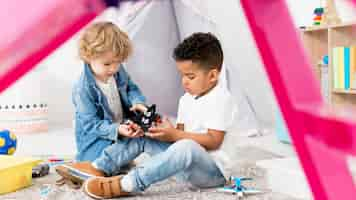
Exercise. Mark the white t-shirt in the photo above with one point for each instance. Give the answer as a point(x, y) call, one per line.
point(112, 95)
point(215, 110)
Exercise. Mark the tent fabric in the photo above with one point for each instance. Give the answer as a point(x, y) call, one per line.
point(153, 44)
point(154, 33)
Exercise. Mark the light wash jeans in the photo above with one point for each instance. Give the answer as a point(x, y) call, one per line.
point(185, 159)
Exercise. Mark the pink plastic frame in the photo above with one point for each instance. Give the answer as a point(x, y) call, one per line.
point(38, 28)
point(321, 139)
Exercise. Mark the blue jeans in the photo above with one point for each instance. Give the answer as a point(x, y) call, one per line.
point(185, 159)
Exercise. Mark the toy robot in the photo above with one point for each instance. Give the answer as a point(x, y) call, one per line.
point(146, 119)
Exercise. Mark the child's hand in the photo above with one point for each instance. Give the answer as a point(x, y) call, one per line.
point(130, 130)
point(138, 107)
point(162, 134)
point(164, 123)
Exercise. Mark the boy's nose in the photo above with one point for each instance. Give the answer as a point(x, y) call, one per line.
point(184, 83)
point(112, 69)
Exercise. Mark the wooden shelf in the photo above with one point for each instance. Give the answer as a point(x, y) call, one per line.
point(326, 27)
point(345, 24)
point(315, 28)
point(340, 91)
point(320, 41)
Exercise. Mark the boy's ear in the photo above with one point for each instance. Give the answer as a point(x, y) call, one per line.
point(214, 75)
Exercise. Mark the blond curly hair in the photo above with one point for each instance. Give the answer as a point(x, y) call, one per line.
point(103, 37)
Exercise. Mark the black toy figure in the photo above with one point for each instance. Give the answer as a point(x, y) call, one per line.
point(146, 119)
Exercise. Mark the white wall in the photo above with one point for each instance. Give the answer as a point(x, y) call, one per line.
point(302, 10)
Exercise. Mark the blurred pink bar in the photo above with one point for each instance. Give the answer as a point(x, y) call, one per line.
point(322, 136)
point(31, 30)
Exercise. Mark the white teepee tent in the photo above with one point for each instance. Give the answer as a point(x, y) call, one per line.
point(156, 27)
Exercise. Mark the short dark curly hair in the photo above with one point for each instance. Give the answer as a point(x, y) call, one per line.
point(201, 48)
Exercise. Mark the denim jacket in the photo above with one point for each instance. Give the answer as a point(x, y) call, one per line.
point(94, 125)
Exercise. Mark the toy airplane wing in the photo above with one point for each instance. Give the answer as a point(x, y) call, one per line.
point(252, 191)
point(247, 191)
point(236, 187)
point(228, 190)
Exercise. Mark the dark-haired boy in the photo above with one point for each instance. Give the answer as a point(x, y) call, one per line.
point(205, 112)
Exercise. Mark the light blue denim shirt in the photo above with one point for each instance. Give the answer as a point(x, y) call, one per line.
point(94, 126)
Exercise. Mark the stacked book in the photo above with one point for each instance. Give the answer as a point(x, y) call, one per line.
point(344, 67)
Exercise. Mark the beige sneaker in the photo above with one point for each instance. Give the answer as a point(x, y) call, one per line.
point(78, 172)
point(104, 187)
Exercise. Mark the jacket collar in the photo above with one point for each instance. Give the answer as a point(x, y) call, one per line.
point(120, 80)
point(89, 75)
point(90, 79)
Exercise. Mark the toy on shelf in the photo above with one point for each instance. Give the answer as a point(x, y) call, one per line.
point(319, 16)
point(146, 119)
point(8, 142)
point(326, 15)
point(324, 77)
point(326, 60)
point(236, 187)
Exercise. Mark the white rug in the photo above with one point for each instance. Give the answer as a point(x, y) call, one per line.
point(169, 189)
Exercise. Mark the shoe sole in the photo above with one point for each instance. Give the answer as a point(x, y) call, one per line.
point(72, 174)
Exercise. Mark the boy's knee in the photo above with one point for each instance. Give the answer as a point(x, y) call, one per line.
point(187, 145)
point(186, 151)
